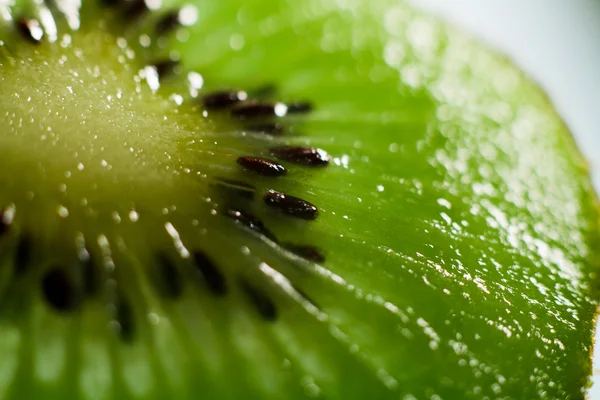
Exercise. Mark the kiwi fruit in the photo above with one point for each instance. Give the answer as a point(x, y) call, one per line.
point(267, 200)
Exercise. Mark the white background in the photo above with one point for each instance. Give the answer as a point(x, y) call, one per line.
point(558, 43)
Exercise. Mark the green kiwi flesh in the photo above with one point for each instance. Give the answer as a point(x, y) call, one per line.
point(315, 199)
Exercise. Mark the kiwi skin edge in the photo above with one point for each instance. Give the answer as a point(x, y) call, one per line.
point(207, 200)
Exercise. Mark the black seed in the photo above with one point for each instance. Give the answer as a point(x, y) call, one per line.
point(291, 205)
point(59, 290)
point(136, 10)
point(170, 278)
point(302, 155)
point(308, 252)
point(262, 166)
point(168, 23)
point(241, 189)
point(31, 30)
point(223, 99)
point(258, 110)
point(213, 277)
point(299, 108)
point(166, 68)
point(126, 319)
point(90, 276)
point(264, 305)
point(23, 255)
point(251, 222)
point(270, 129)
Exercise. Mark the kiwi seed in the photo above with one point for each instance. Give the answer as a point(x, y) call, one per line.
point(214, 278)
point(166, 68)
point(170, 279)
point(301, 155)
point(299, 108)
point(263, 304)
point(307, 252)
point(294, 206)
point(252, 223)
point(224, 99)
point(262, 166)
point(254, 110)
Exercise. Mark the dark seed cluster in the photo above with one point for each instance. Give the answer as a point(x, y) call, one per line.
point(253, 109)
point(259, 115)
point(64, 289)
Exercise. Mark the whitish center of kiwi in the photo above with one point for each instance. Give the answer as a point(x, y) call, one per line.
point(88, 107)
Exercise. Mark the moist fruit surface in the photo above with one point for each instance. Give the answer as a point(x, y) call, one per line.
point(337, 199)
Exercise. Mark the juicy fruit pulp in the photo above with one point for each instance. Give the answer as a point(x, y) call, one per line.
point(456, 229)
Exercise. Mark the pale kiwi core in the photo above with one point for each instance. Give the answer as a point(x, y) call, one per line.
point(88, 108)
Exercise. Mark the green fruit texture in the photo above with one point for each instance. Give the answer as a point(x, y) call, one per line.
point(329, 199)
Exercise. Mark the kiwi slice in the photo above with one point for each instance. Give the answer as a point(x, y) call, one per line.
point(265, 200)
